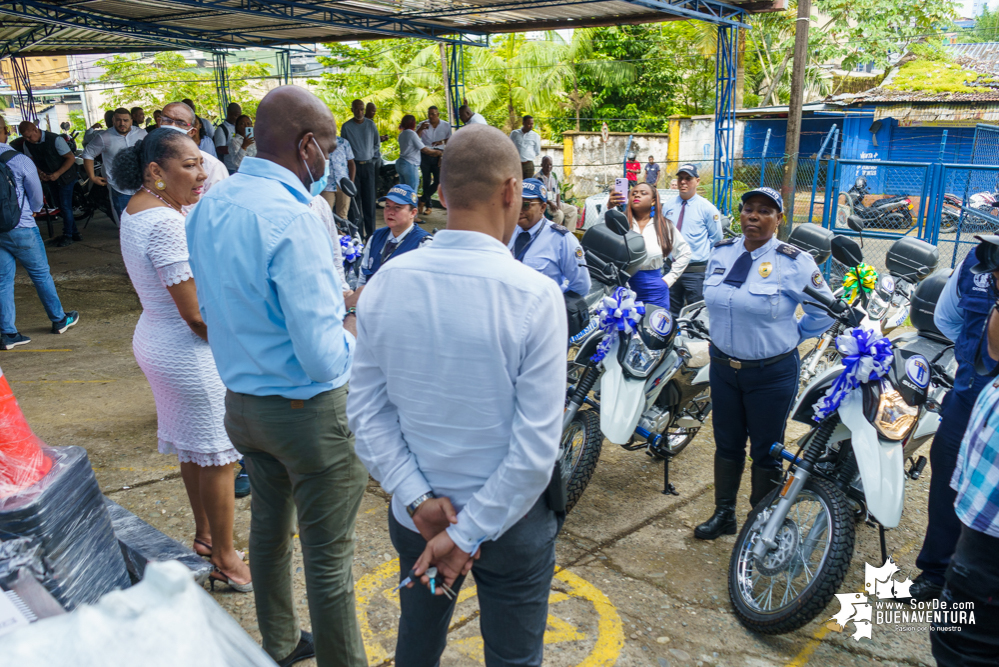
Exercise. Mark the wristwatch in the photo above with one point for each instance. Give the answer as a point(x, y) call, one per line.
point(415, 505)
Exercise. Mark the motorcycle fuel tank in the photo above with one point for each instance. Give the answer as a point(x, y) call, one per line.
point(910, 374)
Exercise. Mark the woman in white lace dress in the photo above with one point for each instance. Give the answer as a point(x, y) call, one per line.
point(171, 339)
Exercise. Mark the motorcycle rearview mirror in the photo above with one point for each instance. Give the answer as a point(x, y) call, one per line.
point(347, 186)
point(855, 223)
point(847, 251)
point(617, 222)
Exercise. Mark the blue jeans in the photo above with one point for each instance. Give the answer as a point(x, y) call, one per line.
point(119, 200)
point(513, 575)
point(24, 245)
point(66, 206)
point(409, 173)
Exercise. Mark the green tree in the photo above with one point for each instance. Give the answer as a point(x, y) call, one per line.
point(168, 78)
point(769, 56)
point(986, 28)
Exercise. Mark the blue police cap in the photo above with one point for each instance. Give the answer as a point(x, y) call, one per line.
point(402, 194)
point(688, 169)
point(534, 189)
point(769, 193)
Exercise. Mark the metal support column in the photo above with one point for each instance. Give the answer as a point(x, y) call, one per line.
point(456, 81)
point(284, 67)
point(725, 94)
point(22, 84)
point(222, 83)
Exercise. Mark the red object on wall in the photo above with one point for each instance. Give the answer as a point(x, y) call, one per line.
point(22, 461)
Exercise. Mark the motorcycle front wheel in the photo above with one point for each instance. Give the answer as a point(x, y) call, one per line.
point(793, 583)
point(580, 451)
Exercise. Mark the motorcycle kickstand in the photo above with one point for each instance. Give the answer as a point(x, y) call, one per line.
point(668, 488)
point(884, 549)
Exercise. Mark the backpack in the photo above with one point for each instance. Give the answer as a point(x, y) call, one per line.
point(10, 204)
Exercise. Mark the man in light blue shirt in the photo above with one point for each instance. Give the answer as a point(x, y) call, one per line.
point(269, 292)
point(700, 223)
point(546, 247)
point(24, 244)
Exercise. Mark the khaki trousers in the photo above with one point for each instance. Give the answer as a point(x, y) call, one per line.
point(302, 466)
point(339, 202)
point(566, 215)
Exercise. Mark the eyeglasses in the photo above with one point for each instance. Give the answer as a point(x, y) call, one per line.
point(167, 120)
point(525, 205)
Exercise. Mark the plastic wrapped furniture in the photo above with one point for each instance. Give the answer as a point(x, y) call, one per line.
point(142, 544)
point(65, 512)
point(166, 620)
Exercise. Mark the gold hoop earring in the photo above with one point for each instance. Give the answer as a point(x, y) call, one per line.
point(160, 185)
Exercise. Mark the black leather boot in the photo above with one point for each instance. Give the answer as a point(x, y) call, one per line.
point(764, 481)
point(728, 474)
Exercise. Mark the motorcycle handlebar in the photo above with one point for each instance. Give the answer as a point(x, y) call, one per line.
point(838, 309)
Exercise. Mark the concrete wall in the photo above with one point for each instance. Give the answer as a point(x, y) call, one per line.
point(593, 165)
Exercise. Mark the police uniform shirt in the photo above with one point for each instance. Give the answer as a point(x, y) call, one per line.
point(366, 255)
point(756, 320)
point(701, 224)
point(557, 254)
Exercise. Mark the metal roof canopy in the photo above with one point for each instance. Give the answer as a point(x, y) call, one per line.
point(38, 27)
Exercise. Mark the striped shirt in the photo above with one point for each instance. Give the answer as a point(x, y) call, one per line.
point(976, 476)
point(29, 186)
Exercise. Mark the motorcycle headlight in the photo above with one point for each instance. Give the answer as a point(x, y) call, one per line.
point(639, 360)
point(895, 417)
point(876, 306)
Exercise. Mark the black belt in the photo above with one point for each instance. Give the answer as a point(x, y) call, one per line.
point(740, 363)
point(696, 267)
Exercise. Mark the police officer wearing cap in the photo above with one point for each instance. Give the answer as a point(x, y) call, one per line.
point(546, 247)
point(753, 285)
point(699, 222)
point(399, 235)
point(961, 313)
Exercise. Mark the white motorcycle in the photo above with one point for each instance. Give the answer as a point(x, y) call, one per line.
point(795, 548)
point(643, 383)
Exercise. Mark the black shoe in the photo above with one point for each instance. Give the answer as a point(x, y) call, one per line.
point(306, 649)
point(728, 475)
point(70, 320)
point(77, 237)
point(765, 480)
point(924, 590)
point(242, 481)
point(10, 341)
point(63, 242)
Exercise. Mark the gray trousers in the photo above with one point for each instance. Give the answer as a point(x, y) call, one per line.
point(513, 578)
point(301, 462)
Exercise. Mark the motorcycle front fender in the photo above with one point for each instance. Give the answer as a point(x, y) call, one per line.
point(880, 463)
point(621, 400)
point(703, 375)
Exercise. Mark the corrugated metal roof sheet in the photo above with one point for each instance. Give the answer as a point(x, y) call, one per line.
point(100, 26)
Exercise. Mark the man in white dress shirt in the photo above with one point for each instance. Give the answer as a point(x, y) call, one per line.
point(456, 399)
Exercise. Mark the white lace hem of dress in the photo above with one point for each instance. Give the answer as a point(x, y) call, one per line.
point(175, 274)
point(203, 459)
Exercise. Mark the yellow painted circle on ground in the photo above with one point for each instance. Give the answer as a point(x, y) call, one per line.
point(601, 650)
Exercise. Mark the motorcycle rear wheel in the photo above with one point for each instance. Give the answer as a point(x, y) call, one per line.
point(798, 586)
point(581, 444)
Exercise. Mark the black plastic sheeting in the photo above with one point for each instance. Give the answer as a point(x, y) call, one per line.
point(142, 544)
point(65, 512)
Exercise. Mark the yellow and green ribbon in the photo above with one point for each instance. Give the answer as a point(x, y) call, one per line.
point(862, 276)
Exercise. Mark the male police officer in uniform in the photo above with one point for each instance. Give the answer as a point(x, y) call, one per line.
point(400, 234)
point(547, 247)
point(700, 223)
point(961, 314)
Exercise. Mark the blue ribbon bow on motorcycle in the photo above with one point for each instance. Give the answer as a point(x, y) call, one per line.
point(351, 252)
point(866, 356)
point(617, 312)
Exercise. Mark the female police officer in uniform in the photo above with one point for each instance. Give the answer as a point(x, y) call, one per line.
point(752, 286)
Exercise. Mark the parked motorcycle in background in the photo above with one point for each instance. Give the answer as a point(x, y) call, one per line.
point(889, 212)
point(955, 214)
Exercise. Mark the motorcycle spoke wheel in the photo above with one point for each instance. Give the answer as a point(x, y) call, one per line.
point(579, 453)
point(793, 583)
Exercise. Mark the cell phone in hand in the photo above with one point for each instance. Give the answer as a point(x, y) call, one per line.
point(249, 133)
point(621, 185)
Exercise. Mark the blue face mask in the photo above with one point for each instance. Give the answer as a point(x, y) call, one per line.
point(318, 185)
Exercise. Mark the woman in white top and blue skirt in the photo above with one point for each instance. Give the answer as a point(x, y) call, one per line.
point(410, 148)
point(645, 214)
point(752, 288)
